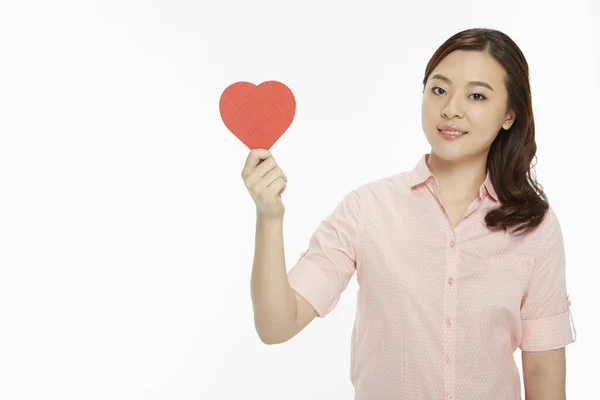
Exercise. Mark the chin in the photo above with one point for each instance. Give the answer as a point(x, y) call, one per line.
point(449, 151)
point(441, 146)
point(448, 155)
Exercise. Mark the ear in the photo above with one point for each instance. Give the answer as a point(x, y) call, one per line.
point(510, 119)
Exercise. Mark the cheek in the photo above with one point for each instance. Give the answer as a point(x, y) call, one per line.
point(429, 118)
point(429, 111)
point(485, 119)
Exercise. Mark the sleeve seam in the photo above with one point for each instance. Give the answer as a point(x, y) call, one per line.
point(359, 228)
point(545, 317)
point(540, 246)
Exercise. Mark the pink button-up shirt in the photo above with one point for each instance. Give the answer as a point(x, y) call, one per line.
point(440, 311)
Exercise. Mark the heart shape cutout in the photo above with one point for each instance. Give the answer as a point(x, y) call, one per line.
point(257, 115)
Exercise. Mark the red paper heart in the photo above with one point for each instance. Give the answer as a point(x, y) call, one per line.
point(257, 115)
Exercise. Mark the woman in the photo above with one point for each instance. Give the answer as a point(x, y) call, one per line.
point(459, 261)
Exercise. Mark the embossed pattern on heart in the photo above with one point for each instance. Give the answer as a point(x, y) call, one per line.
point(257, 115)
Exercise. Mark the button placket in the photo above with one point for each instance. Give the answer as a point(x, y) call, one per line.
point(450, 304)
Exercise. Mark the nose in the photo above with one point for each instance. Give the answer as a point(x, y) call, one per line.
point(452, 109)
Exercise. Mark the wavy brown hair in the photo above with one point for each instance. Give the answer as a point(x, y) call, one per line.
point(523, 201)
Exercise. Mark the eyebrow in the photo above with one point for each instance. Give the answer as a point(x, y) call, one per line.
point(472, 83)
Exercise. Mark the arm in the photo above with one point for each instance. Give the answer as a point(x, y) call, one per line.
point(279, 312)
point(285, 303)
point(544, 374)
point(546, 318)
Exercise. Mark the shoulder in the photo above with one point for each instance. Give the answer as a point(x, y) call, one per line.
point(384, 187)
point(380, 195)
point(547, 236)
point(549, 226)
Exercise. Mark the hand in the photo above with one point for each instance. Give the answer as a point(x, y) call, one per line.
point(265, 182)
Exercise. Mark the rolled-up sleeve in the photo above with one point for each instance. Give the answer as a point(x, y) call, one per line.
point(324, 270)
point(546, 307)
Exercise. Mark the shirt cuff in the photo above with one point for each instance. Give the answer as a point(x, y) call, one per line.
point(548, 333)
point(310, 283)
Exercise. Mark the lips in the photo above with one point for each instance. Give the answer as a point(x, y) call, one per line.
point(451, 130)
point(451, 136)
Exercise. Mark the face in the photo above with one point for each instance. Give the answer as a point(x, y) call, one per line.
point(452, 101)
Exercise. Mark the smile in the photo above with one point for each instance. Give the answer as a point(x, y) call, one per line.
point(453, 132)
point(451, 135)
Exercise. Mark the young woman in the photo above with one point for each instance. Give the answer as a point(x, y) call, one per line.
point(459, 261)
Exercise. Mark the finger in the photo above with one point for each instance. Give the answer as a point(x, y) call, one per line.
point(261, 171)
point(268, 179)
point(269, 164)
point(254, 158)
point(277, 187)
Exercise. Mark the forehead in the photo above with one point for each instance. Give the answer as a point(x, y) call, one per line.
point(464, 66)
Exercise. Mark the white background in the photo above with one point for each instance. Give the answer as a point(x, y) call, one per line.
point(126, 233)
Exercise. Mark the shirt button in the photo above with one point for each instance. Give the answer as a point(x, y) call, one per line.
point(448, 321)
point(448, 359)
point(450, 397)
point(450, 281)
point(452, 243)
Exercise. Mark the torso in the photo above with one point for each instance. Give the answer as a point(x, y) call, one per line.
point(456, 204)
point(455, 211)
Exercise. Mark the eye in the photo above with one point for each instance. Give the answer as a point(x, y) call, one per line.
point(481, 97)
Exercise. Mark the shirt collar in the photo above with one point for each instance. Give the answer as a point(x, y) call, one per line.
point(421, 173)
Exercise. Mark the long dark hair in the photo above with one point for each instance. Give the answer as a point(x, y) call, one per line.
point(523, 201)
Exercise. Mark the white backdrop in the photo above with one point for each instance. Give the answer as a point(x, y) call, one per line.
point(126, 233)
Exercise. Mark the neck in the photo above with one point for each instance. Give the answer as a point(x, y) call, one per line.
point(458, 180)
